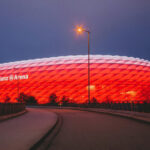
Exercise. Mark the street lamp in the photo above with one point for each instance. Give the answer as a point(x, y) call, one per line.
point(15, 76)
point(80, 30)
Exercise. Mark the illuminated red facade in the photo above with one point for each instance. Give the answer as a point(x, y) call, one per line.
point(113, 78)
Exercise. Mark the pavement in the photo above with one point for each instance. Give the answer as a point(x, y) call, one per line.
point(22, 132)
point(138, 116)
point(85, 130)
point(10, 116)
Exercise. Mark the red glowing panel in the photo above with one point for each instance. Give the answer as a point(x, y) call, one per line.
point(116, 78)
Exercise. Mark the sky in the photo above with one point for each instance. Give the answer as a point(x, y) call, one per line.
point(32, 29)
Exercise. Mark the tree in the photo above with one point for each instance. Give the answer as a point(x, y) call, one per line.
point(53, 99)
point(65, 100)
point(22, 98)
point(7, 99)
point(31, 100)
point(28, 99)
point(94, 102)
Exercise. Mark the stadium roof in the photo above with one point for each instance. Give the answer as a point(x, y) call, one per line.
point(75, 59)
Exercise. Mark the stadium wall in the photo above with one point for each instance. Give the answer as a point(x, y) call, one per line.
point(113, 78)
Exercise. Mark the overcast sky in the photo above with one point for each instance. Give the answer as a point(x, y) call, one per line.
point(44, 28)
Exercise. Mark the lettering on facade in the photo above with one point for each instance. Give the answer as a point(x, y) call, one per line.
point(14, 77)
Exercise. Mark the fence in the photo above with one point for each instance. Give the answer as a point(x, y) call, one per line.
point(145, 107)
point(9, 108)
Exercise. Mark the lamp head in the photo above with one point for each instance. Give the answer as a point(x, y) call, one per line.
point(79, 29)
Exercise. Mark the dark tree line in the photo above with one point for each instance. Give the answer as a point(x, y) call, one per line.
point(28, 99)
point(23, 98)
point(65, 101)
point(53, 100)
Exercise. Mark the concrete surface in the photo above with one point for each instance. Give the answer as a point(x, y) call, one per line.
point(82, 130)
point(9, 116)
point(145, 117)
point(22, 132)
point(138, 116)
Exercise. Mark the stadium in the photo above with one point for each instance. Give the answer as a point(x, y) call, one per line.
point(112, 78)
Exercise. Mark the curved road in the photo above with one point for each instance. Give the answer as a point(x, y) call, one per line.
point(83, 130)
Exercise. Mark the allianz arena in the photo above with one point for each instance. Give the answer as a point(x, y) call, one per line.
point(113, 78)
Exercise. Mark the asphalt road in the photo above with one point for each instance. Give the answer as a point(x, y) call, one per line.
point(91, 131)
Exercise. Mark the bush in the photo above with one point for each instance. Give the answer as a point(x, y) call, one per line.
point(53, 99)
point(28, 99)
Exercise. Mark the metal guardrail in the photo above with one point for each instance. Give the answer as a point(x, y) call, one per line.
point(145, 107)
point(139, 107)
point(10, 108)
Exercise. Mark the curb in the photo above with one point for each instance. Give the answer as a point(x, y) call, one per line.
point(46, 140)
point(116, 114)
point(11, 116)
point(123, 116)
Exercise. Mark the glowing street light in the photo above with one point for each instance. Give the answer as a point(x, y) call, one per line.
point(80, 29)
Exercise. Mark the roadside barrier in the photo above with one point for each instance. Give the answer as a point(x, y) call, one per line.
point(10, 108)
point(145, 107)
point(138, 107)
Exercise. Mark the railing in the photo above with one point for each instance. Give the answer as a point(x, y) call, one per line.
point(145, 107)
point(10, 108)
point(139, 107)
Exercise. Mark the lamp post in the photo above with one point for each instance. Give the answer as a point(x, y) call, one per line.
point(81, 30)
point(15, 76)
